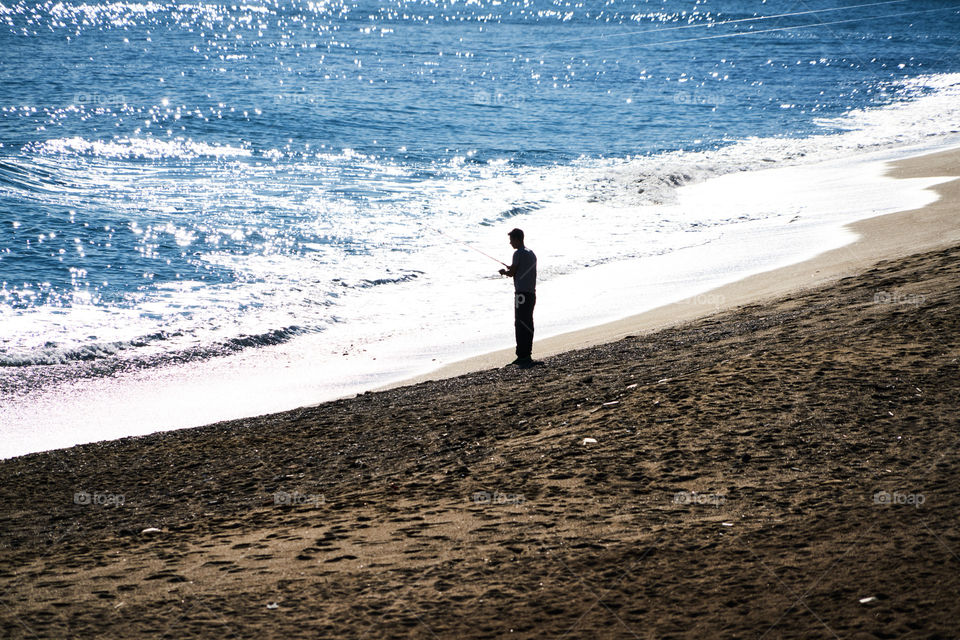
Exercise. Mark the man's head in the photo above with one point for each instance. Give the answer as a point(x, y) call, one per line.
point(516, 239)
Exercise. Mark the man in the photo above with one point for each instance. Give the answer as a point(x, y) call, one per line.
point(523, 270)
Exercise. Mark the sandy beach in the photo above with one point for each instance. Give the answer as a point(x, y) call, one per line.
point(783, 466)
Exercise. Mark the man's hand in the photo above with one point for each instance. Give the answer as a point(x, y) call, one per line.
point(502, 272)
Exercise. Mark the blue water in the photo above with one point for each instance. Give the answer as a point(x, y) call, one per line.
point(201, 178)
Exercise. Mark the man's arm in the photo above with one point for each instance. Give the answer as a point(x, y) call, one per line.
point(512, 269)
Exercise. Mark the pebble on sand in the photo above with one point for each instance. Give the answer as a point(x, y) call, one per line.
point(589, 441)
point(151, 530)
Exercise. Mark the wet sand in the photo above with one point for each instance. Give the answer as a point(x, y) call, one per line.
point(784, 469)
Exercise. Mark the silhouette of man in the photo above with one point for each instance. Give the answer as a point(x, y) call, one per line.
point(523, 270)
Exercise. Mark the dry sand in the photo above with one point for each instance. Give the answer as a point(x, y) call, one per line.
point(784, 469)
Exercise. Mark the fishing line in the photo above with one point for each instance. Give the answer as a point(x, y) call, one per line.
point(468, 246)
point(721, 23)
point(797, 27)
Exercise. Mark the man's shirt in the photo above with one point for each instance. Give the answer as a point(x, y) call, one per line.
point(524, 271)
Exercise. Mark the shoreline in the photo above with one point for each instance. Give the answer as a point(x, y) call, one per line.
point(883, 237)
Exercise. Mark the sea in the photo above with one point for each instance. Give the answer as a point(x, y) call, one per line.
point(212, 210)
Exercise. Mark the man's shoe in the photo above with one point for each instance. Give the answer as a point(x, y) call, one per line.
point(523, 362)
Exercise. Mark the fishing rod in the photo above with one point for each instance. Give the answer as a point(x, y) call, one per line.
point(468, 246)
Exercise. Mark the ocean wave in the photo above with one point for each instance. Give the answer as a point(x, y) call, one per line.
point(366, 283)
point(268, 338)
point(54, 354)
point(929, 107)
point(519, 209)
point(23, 176)
point(148, 148)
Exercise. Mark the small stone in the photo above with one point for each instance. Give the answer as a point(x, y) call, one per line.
point(589, 441)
